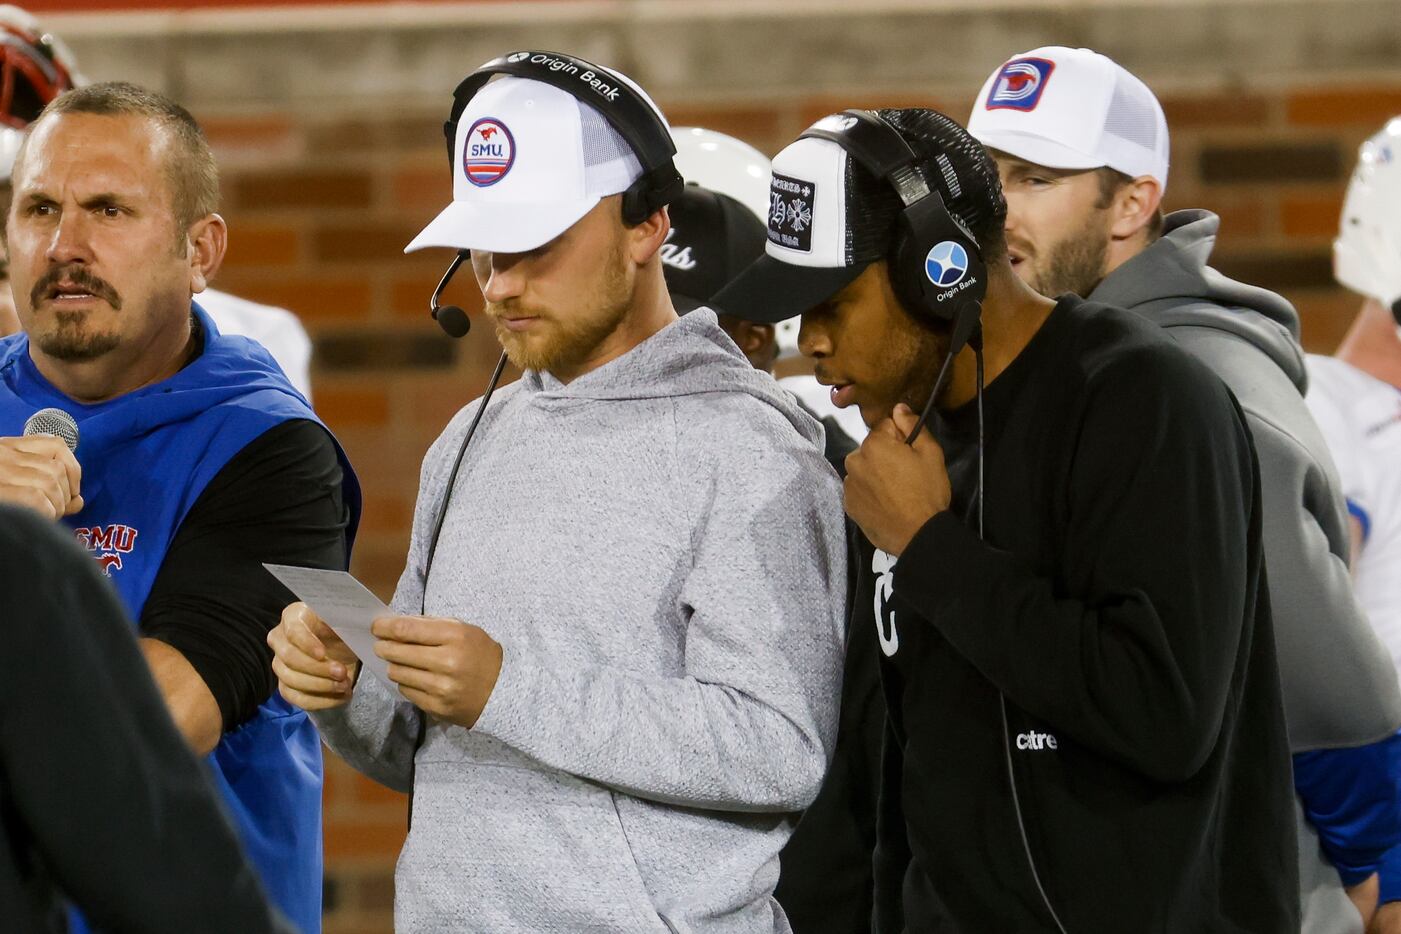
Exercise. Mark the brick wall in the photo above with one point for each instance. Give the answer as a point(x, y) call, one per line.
point(328, 133)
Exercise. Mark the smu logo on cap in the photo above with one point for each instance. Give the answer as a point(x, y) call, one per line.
point(946, 264)
point(488, 152)
point(1020, 83)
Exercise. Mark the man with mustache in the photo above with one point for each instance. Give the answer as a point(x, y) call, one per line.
point(615, 673)
point(38, 66)
point(1082, 148)
point(196, 461)
point(1062, 577)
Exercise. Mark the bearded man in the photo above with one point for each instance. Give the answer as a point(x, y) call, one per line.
point(1082, 148)
point(615, 672)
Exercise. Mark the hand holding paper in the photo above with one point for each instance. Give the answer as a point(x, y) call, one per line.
point(315, 668)
point(446, 667)
point(336, 608)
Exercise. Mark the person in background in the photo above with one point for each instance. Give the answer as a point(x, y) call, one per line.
point(717, 229)
point(1356, 397)
point(37, 66)
point(1082, 148)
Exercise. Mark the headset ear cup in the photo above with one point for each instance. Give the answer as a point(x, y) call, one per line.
point(907, 273)
point(637, 202)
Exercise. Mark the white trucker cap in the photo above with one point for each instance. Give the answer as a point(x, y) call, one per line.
point(1072, 109)
point(529, 161)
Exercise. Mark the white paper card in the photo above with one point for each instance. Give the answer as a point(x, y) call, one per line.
point(346, 606)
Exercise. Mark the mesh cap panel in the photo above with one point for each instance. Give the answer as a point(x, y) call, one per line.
point(951, 162)
point(610, 165)
point(1132, 115)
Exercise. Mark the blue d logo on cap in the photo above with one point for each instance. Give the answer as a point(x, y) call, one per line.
point(1020, 83)
point(946, 264)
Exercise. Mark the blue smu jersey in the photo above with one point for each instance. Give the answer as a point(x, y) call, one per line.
point(146, 458)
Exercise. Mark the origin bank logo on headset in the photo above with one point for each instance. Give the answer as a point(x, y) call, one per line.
point(946, 264)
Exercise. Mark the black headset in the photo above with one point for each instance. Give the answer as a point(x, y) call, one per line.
point(625, 109)
point(924, 224)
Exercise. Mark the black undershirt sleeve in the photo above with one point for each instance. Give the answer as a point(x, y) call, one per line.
point(278, 501)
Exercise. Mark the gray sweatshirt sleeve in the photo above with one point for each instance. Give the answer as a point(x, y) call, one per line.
point(1340, 688)
point(750, 723)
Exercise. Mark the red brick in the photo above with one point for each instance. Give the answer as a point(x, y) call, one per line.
point(253, 245)
point(1311, 215)
point(1325, 315)
point(369, 791)
point(1368, 106)
point(382, 132)
point(317, 298)
point(815, 108)
point(340, 408)
point(355, 839)
point(422, 186)
point(362, 242)
point(409, 293)
point(1187, 111)
point(1242, 216)
point(375, 892)
point(268, 132)
point(379, 560)
point(761, 127)
point(276, 191)
point(387, 512)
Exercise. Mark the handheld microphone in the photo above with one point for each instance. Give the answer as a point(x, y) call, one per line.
point(450, 318)
point(55, 422)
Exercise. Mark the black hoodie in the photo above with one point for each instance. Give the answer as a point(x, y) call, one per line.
point(1119, 605)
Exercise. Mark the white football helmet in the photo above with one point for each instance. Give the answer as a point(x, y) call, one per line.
point(732, 167)
point(1367, 253)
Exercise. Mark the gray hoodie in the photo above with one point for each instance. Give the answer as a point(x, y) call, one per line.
point(659, 547)
point(1339, 689)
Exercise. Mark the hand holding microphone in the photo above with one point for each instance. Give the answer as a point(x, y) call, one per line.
point(39, 470)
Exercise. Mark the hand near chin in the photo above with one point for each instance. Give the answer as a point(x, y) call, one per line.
point(892, 489)
point(447, 668)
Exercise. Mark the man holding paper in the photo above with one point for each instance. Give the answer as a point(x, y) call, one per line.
point(615, 679)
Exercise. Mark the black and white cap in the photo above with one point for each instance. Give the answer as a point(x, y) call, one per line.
point(816, 244)
point(712, 239)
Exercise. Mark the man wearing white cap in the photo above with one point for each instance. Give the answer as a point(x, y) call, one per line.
point(1356, 396)
point(1061, 578)
point(1082, 148)
point(622, 681)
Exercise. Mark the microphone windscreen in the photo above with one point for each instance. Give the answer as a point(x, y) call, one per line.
point(54, 422)
point(454, 320)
